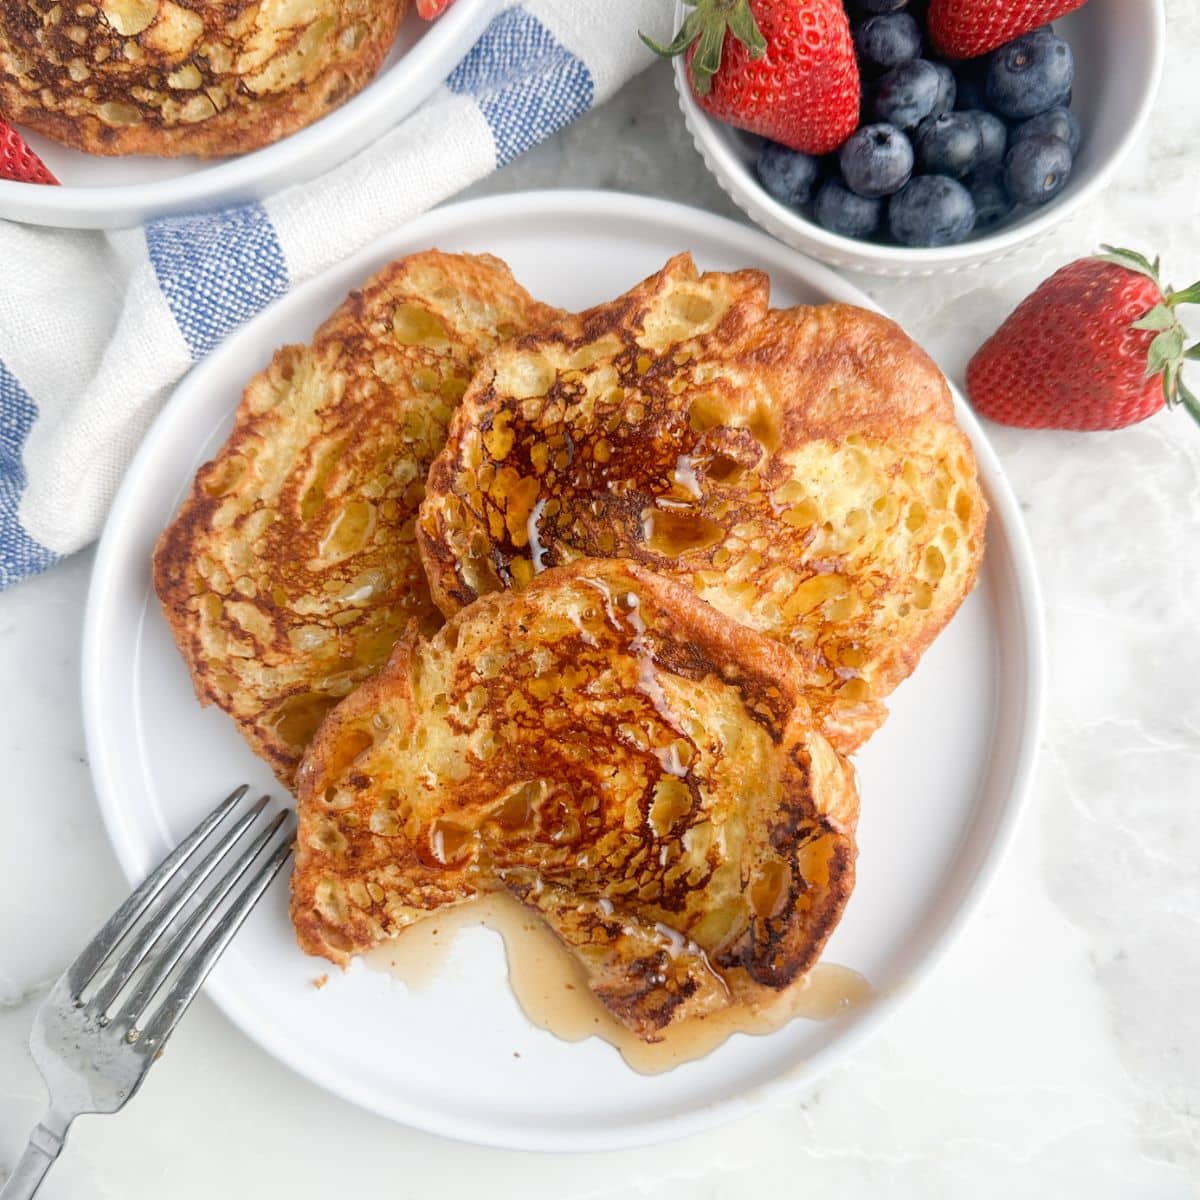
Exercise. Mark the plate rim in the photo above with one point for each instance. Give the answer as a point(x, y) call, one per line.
point(255, 176)
point(579, 205)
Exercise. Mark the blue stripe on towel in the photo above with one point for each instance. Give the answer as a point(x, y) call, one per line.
point(526, 83)
point(216, 270)
point(20, 555)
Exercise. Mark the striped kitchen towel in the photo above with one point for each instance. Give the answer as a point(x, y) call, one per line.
point(96, 328)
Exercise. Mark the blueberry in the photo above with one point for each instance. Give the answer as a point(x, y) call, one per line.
point(992, 204)
point(842, 211)
point(788, 175)
point(1058, 122)
point(931, 210)
point(882, 6)
point(1037, 168)
point(906, 95)
point(970, 75)
point(1030, 75)
point(947, 90)
point(876, 160)
point(889, 40)
point(948, 145)
point(993, 135)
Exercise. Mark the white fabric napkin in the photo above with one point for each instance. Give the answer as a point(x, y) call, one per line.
point(96, 328)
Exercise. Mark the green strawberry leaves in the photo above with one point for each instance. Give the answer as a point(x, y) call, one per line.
point(1159, 317)
point(1165, 349)
point(744, 27)
point(1186, 397)
point(1168, 351)
point(706, 26)
point(1131, 260)
point(708, 57)
point(689, 31)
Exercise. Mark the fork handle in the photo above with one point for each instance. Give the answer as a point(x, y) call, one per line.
point(44, 1147)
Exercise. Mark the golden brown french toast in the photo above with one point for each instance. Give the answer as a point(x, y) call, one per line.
point(205, 77)
point(633, 765)
point(801, 469)
point(292, 567)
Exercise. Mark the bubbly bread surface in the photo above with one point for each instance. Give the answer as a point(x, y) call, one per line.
point(206, 77)
point(800, 469)
point(292, 567)
point(633, 765)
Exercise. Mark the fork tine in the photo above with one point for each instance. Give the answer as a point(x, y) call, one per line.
point(148, 931)
point(168, 957)
point(81, 971)
point(190, 980)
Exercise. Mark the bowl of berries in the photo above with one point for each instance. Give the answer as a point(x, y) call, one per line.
point(906, 137)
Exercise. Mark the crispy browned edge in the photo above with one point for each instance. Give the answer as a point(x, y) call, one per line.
point(764, 666)
point(173, 552)
point(573, 330)
point(915, 390)
point(918, 390)
point(237, 130)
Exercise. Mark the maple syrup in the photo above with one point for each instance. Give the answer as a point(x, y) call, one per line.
point(552, 991)
point(298, 717)
point(349, 531)
point(669, 532)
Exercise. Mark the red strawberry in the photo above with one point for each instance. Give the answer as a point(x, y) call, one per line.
point(965, 28)
point(17, 161)
point(1097, 346)
point(781, 68)
point(432, 8)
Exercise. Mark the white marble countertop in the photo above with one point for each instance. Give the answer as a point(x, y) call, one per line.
point(1056, 1052)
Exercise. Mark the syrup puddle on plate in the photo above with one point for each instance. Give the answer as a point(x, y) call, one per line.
point(550, 987)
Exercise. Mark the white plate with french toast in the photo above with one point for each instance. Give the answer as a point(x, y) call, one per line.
point(102, 192)
point(685, 545)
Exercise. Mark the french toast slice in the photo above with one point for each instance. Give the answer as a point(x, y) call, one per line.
point(207, 77)
point(292, 566)
point(634, 766)
point(801, 469)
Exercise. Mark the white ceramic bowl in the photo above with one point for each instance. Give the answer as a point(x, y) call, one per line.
point(1119, 47)
point(109, 193)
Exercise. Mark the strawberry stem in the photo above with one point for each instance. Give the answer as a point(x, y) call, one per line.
point(705, 27)
point(1189, 295)
point(1167, 352)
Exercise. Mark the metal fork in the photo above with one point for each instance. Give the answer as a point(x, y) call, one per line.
point(107, 1019)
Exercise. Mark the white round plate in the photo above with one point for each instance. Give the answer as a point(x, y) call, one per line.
point(109, 193)
point(941, 783)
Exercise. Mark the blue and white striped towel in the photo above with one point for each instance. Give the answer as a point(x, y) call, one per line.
point(95, 329)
